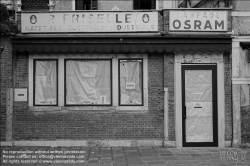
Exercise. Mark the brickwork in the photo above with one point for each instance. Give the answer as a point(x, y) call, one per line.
point(5, 81)
point(165, 20)
point(21, 70)
point(63, 4)
point(169, 83)
point(228, 96)
point(160, 22)
point(155, 82)
point(245, 124)
point(77, 125)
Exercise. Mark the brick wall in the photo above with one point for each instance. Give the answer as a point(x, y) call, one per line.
point(169, 83)
point(76, 125)
point(5, 80)
point(21, 70)
point(160, 22)
point(228, 96)
point(165, 20)
point(155, 82)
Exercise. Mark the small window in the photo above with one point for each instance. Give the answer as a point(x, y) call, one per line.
point(86, 4)
point(45, 84)
point(203, 3)
point(88, 82)
point(130, 82)
point(144, 4)
point(35, 4)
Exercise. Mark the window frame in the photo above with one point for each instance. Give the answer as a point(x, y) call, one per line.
point(113, 57)
point(199, 5)
point(65, 83)
point(96, 8)
point(151, 7)
point(119, 81)
point(34, 82)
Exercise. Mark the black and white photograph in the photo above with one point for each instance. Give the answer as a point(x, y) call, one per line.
point(125, 82)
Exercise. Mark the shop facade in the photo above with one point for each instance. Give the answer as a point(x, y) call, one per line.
point(122, 78)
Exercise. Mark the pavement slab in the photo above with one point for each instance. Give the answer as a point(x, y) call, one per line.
point(135, 160)
point(151, 158)
point(148, 154)
point(170, 158)
point(168, 154)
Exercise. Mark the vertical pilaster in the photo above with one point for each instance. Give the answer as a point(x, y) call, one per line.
point(236, 93)
point(236, 115)
point(9, 113)
point(166, 114)
point(73, 5)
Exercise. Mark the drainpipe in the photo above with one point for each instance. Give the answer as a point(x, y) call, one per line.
point(165, 115)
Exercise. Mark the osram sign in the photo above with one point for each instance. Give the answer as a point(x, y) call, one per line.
point(198, 20)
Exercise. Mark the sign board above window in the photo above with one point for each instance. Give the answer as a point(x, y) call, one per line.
point(198, 20)
point(89, 22)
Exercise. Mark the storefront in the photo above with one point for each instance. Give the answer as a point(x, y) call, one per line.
point(201, 80)
point(120, 79)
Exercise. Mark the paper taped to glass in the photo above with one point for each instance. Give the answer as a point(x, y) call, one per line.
point(198, 90)
point(130, 82)
point(45, 83)
point(130, 85)
point(87, 82)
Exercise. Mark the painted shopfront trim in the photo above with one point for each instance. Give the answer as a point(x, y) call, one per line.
point(185, 59)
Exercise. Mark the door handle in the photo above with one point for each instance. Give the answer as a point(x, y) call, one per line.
point(184, 112)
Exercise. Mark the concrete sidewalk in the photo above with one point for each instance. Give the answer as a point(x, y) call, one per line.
point(123, 156)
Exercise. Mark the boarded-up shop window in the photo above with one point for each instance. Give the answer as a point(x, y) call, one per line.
point(88, 82)
point(130, 82)
point(45, 82)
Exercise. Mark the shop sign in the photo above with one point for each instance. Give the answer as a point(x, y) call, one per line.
point(89, 22)
point(198, 20)
point(20, 94)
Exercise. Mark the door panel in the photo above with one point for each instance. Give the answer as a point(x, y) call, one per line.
point(199, 105)
point(198, 91)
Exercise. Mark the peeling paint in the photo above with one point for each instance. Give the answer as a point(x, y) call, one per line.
point(245, 96)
